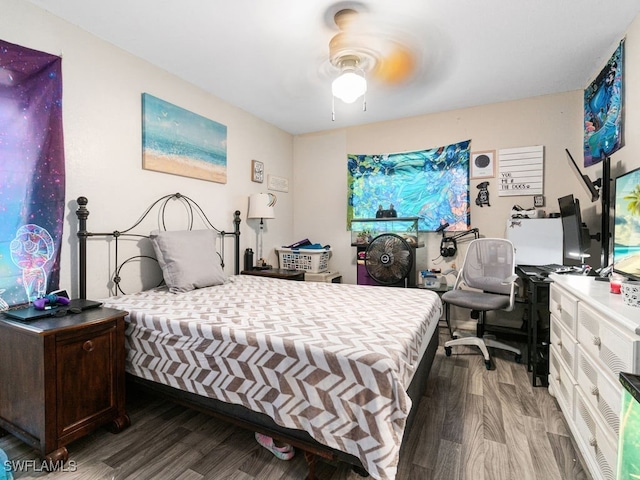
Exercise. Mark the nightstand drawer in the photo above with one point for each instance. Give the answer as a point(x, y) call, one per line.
point(87, 379)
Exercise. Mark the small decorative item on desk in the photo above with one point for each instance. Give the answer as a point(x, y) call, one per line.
point(630, 292)
point(615, 283)
point(431, 279)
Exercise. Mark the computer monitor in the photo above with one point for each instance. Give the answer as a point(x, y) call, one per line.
point(626, 229)
point(575, 234)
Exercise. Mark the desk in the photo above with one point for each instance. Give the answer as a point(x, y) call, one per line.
point(537, 298)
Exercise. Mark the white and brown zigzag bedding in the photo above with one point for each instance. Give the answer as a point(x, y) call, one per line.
point(331, 359)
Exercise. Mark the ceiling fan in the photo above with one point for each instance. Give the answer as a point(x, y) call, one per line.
point(366, 48)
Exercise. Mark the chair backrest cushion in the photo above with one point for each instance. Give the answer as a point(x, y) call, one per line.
point(488, 263)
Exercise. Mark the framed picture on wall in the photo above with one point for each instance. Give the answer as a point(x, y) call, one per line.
point(482, 164)
point(257, 171)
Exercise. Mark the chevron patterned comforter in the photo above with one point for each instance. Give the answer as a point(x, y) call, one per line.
point(334, 360)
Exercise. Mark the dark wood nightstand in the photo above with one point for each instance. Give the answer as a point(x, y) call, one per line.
point(61, 378)
point(277, 273)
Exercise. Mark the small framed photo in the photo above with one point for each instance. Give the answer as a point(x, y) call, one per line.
point(483, 164)
point(257, 171)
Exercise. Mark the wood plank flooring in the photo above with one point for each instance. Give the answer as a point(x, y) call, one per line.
point(471, 424)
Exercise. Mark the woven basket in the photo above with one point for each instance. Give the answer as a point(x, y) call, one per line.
point(631, 293)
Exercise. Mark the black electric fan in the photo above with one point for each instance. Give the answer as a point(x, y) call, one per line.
point(388, 259)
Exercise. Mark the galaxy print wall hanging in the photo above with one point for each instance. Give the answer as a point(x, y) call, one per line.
point(33, 173)
point(430, 184)
point(603, 121)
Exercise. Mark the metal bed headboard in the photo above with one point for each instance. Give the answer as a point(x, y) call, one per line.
point(192, 208)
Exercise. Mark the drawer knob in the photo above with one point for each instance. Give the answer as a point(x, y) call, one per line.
point(594, 390)
point(88, 346)
point(596, 341)
point(560, 308)
point(558, 378)
point(559, 343)
point(593, 442)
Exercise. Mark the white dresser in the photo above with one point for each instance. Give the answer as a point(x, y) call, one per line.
point(594, 337)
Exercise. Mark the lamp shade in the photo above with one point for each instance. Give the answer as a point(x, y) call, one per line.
point(261, 205)
point(350, 85)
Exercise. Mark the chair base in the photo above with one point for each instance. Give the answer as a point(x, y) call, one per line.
point(482, 343)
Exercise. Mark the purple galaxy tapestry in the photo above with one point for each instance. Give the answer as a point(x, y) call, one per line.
point(33, 174)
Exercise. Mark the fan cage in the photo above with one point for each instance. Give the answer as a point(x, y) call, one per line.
point(393, 259)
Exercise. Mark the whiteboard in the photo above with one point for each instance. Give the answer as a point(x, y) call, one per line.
point(538, 241)
point(521, 171)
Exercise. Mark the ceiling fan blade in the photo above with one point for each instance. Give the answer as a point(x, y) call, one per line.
point(373, 45)
point(395, 67)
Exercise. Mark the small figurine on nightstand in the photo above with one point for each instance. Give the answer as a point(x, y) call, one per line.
point(261, 264)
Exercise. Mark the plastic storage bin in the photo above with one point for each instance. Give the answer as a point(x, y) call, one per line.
point(307, 259)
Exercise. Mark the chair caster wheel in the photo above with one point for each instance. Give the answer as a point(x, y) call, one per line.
point(447, 351)
point(518, 358)
point(487, 364)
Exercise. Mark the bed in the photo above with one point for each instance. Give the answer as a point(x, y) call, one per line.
point(333, 369)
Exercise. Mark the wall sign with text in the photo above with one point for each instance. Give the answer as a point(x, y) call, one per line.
point(520, 171)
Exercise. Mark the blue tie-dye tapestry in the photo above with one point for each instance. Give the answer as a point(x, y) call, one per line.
point(430, 184)
point(32, 171)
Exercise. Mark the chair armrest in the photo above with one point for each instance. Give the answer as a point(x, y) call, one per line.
point(509, 280)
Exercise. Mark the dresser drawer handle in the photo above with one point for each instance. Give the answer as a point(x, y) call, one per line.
point(558, 379)
point(560, 308)
point(593, 442)
point(596, 341)
point(559, 343)
point(595, 391)
point(88, 346)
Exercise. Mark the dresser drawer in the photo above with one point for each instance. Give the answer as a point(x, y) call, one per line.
point(603, 395)
point(565, 308)
point(600, 449)
point(561, 382)
point(615, 349)
point(565, 345)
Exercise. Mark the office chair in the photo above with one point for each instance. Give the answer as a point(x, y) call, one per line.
point(486, 282)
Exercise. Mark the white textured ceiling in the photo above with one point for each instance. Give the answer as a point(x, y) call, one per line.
point(270, 58)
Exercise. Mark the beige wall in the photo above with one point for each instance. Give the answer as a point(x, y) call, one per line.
point(554, 121)
point(102, 87)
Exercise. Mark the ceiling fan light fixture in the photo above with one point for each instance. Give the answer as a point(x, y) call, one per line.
point(350, 84)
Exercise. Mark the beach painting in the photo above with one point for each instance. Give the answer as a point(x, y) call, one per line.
point(180, 142)
point(626, 229)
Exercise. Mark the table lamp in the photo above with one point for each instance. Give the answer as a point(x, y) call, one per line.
point(261, 206)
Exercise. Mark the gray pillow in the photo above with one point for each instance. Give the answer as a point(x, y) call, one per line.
point(188, 259)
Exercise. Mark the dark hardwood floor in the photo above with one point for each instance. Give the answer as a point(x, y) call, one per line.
point(471, 424)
